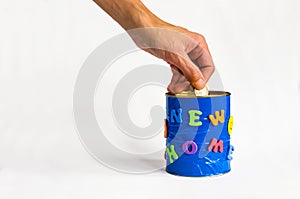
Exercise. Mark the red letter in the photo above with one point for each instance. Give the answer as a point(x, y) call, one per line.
point(215, 145)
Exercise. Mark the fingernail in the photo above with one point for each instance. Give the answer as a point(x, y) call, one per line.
point(199, 84)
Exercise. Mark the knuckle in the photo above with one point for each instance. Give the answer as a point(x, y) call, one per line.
point(201, 40)
point(213, 69)
point(201, 37)
point(171, 88)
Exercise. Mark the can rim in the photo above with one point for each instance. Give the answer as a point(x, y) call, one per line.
point(210, 95)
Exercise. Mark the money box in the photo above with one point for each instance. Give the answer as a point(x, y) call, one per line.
point(197, 132)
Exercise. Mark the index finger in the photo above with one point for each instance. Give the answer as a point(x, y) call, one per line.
point(201, 56)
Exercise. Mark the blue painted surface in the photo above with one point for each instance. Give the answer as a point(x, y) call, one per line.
point(202, 162)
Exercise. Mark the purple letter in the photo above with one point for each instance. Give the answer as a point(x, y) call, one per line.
point(187, 145)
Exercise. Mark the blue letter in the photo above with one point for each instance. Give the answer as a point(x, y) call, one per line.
point(176, 116)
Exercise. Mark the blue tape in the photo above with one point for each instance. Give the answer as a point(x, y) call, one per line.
point(198, 142)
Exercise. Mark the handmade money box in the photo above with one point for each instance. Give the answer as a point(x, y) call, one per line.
point(197, 132)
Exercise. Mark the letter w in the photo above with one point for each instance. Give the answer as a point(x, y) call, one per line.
point(217, 118)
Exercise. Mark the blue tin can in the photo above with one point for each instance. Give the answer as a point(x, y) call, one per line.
point(198, 133)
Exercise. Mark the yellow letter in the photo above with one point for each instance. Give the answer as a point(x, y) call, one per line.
point(230, 125)
point(218, 118)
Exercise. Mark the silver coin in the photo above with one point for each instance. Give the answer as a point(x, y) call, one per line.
point(202, 92)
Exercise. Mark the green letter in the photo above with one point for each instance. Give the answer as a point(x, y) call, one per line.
point(194, 117)
point(172, 153)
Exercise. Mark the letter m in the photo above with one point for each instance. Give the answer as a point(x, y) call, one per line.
point(215, 145)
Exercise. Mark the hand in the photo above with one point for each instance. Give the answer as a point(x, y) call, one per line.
point(186, 52)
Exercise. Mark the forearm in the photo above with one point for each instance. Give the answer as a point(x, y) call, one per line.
point(186, 51)
point(129, 14)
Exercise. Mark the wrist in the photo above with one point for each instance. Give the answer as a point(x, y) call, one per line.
point(142, 18)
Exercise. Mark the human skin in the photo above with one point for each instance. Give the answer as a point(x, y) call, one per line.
point(186, 51)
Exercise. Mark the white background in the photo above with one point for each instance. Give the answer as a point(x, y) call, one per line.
point(255, 45)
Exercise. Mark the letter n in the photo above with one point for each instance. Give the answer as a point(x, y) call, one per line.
point(177, 116)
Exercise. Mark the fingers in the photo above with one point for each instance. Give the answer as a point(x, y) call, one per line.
point(200, 55)
point(179, 86)
point(178, 82)
point(188, 56)
point(191, 72)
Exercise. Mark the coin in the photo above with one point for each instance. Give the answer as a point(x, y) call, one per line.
point(202, 92)
point(195, 92)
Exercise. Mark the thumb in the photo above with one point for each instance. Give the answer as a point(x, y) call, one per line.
point(191, 72)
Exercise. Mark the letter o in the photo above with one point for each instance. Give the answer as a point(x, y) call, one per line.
point(187, 144)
